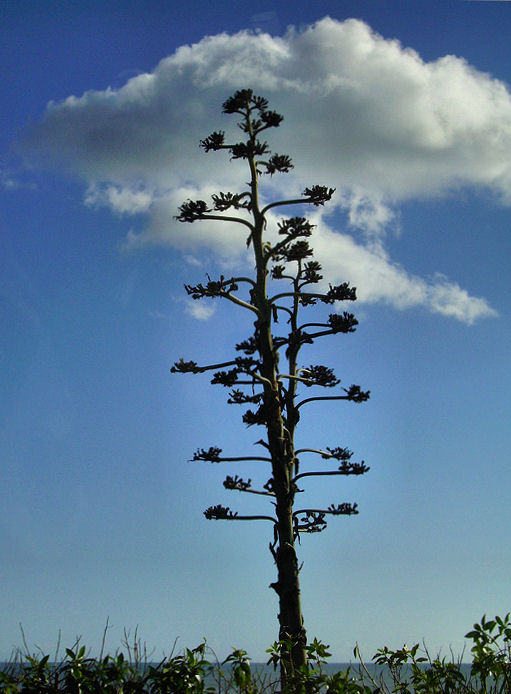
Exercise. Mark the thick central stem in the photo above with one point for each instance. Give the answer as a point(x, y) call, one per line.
point(280, 442)
point(283, 463)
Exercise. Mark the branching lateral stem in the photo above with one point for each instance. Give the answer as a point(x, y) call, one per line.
point(254, 491)
point(320, 473)
point(245, 459)
point(240, 302)
point(249, 518)
point(281, 203)
point(224, 218)
point(323, 397)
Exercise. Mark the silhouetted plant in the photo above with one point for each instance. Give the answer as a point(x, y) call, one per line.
point(492, 652)
point(281, 288)
point(182, 674)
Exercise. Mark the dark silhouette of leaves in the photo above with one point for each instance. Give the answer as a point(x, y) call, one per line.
point(192, 210)
point(356, 395)
point(278, 163)
point(311, 522)
point(245, 150)
point(237, 397)
point(237, 483)
point(225, 378)
point(259, 417)
point(277, 272)
point(271, 119)
point(318, 195)
point(342, 323)
point(184, 367)
point(353, 468)
point(214, 141)
point(219, 512)
point(320, 376)
point(343, 509)
point(298, 251)
point(240, 101)
point(294, 227)
point(212, 455)
point(311, 273)
point(341, 292)
point(296, 339)
point(224, 201)
point(248, 346)
point(246, 363)
point(213, 288)
point(338, 453)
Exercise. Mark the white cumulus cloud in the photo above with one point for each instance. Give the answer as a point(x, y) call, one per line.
point(362, 113)
point(200, 311)
point(122, 199)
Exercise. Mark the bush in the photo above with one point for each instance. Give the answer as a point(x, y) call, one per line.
point(403, 671)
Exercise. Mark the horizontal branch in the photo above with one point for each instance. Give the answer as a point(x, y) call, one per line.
point(353, 393)
point(341, 292)
point(251, 383)
point(183, 366)
point(309, 511)
point(291, 377)
point(240, 302)
point(215, 288)
point(226, 218)
point(322, 397)
point(252, 491)
point(302, 295)
point(313, 336)
point(244, 459)
point(337, 323)
point(316, 195)
point(319, 451)
point(213, 455)
point(243, 279)
point(248, 518)
point(283, 295)
point(321, 473)
point(220, 512)
point(345, 509)
point(280, 203)
point(245, 518)
point(240, 485)
point(257, 377)
point(312, 325)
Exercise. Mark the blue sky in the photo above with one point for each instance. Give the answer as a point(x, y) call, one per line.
point(407, 112)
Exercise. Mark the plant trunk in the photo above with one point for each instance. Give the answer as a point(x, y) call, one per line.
point(281, 448)
point(290, 610)
point(287, 585)
point(280, 444)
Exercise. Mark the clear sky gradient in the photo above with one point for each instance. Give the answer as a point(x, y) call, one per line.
point(404, 108)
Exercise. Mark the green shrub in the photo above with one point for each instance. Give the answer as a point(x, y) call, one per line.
point(197, 671)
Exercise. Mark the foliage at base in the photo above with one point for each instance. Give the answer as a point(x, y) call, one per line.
point(197, 671)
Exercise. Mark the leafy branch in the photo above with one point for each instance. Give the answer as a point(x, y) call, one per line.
point(220, 512)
